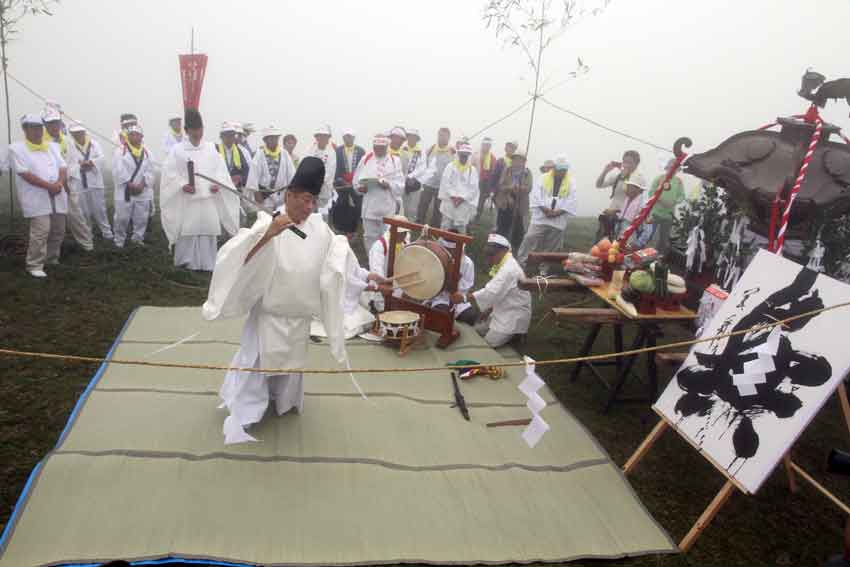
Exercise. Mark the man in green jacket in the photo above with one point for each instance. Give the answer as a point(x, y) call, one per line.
point(664, 209)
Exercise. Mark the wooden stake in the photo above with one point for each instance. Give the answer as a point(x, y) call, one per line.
point(645, 446)
point(707, 516)
point(845, 403)
point(789, 471)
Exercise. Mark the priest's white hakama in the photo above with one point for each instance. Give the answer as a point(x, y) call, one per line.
point(193, 221)
point(287, 283)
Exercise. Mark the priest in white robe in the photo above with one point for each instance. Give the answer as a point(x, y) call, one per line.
point(271, 170)
point(193, 214)
point(463, 312)
point(458, 195)
point(380, 179)
point(281, 283)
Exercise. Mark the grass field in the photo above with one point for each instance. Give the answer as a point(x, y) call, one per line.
point(82, 306)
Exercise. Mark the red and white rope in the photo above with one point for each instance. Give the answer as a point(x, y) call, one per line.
point(804, 168)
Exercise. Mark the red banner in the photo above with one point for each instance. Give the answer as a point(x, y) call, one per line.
point(192, 70)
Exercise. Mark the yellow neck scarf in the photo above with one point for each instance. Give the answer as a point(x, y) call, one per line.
point(63, 147)
point(508, 160)
point(485, 160)
point(461, 167)
point(234, 154)
point(177, 132)
point(495, 269)
point(85, 147)
point(123, 136)
point(348, 149)
point(395, 152)
point(442, 149)
point(136, 151)
point(42, 147)
point(549, 184)
point(414, 149)
point(272, 154)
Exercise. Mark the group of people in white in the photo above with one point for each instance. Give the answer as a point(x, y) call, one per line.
point(284, 283)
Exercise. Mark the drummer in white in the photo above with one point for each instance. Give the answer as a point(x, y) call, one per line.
point(510, 305)
point(464, 312)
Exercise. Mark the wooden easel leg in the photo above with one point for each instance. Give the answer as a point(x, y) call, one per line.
point(645, 446)
point(789, 472)
point(707, 516)
point(845, 404)
point(618, 345)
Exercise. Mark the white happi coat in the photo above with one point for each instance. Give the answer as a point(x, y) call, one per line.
point(259, 176)
point(35, 201)
point(201, 213)
point(464, 284)
point(286, 284)
point(123, 167)
point(511, 305)
point(94, 177)
point(463, 184)
point(328, 156)
point(379, 202)
point(169, 140)
point(541, 198)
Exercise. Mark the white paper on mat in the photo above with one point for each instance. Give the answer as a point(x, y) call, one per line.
point(535, 403)
point(535, 430)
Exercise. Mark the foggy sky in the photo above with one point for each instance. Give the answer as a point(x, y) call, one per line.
point(658, 70)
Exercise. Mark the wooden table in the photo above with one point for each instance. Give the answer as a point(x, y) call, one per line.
point(647, 335)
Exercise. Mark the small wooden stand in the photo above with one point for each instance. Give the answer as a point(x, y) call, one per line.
point(731, 484)
point(441, 322)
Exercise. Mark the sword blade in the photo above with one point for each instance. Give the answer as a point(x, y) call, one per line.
point(245, 199)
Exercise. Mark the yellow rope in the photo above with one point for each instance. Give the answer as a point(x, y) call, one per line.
point(589, 358)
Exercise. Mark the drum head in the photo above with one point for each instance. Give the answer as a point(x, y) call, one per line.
point(398, 317)
point(429, 277)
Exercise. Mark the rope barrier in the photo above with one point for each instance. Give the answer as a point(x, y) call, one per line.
point(572, 360)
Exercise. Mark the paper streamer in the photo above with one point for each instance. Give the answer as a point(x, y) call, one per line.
point(172, 345)
point(529, 387)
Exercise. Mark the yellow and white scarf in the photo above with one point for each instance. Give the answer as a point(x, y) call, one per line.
point(234, 155)
point(495, 269)
point(42, 147)
point(549, 184)
point(63, 146)
point(269, 153)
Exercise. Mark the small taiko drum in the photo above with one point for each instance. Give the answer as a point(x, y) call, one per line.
point(399, 325)
point(422, 269)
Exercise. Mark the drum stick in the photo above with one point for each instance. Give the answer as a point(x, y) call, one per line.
point(410, 284)
point(408, 274)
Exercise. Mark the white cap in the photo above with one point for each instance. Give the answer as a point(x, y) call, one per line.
point(129, 121)
point(561, 163)
point(135, 128)
point(227, 127)
point(486, 140)
point(349, 132)
point(398, 131)
point(637, 180)
point(175, 117)
point(271, 130)
point(50, 115)
point(413, 132)
point(248, 127)
point(31, 120)
point(76, 127)
point(237, 127)
point(323, 129)
point(514, 143)
point(498, 240)
point(464, 149)
point(380, 140)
